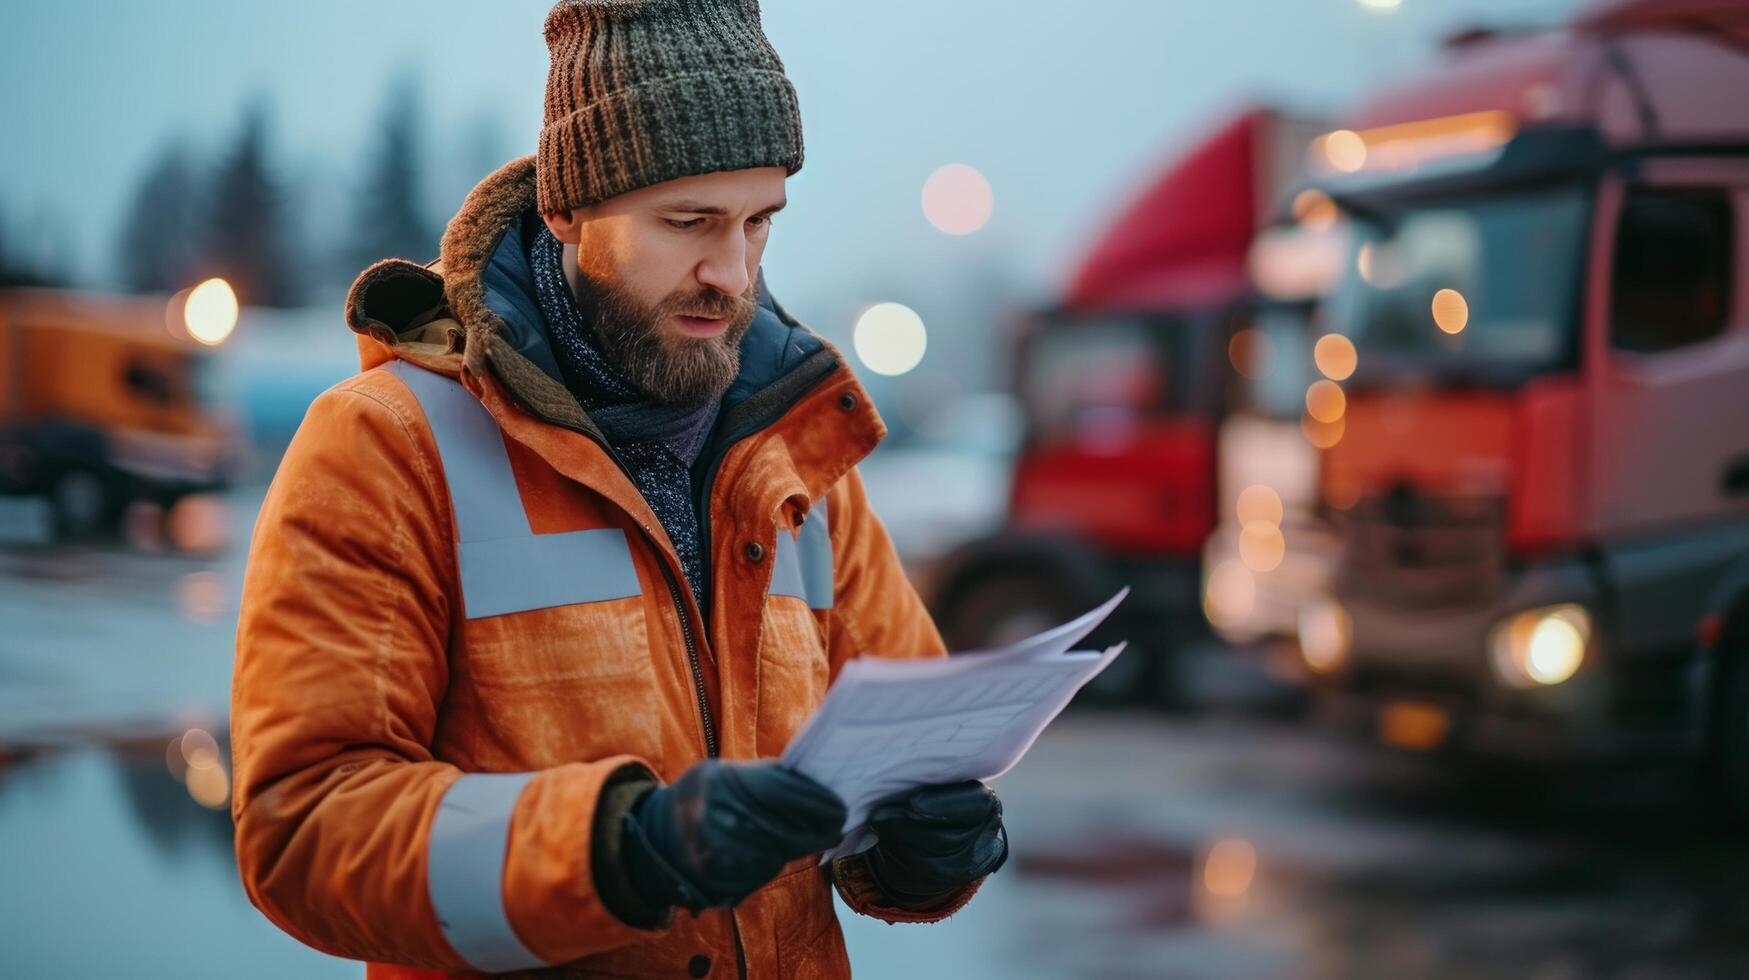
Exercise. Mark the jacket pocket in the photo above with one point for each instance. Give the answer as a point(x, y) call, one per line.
point(793, 671)
point(563, 683)
point(559, 645)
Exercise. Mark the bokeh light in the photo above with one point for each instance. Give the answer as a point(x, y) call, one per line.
point(1229, 867)
point(195, 758)
point(1229, 594)
point(1335, 356)
point(957, 199)
point(1325, 401)
point(199, 749)
point(1261, 546)
point(1556, 647)
point(1451, 313)
point(890, 338)
point(1259, 503)
point(211, 312)
point(1345, 151)
point(1314, 209)
point(210, 787)
point(1321, 435)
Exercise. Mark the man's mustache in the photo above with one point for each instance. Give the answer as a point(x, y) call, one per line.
point(713, 305)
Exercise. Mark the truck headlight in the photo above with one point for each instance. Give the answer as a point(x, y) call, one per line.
point(1540, 647)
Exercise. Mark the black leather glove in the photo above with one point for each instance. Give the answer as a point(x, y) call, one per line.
point(722, 830)
point(935, 840)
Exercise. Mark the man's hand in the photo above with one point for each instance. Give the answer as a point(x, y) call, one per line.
point(936, 839)
point(723, 829)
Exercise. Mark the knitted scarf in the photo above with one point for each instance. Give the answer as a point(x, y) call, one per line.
point(658, 443)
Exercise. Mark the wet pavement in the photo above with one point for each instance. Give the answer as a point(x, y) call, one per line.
point(1237, 847)
point(1217, 844)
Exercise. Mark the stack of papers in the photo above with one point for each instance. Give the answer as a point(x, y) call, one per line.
point(890, 726)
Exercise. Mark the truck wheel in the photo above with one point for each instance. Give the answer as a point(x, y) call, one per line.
point(1729, 756)
point(80, 504)
point(1009, 608)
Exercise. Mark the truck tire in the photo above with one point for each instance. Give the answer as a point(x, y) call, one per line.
point(79, 502)
point(1011, 607)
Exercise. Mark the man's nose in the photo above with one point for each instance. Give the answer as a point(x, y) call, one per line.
point(725, 268)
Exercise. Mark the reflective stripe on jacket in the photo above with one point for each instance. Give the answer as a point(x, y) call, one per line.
point(462, 622)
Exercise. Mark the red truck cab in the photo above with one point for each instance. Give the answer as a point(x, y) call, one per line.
point(1539, 470)
point(1123, 385)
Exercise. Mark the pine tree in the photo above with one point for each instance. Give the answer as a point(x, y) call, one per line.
point(158, 250)
point(388, 216)
point(248, 238)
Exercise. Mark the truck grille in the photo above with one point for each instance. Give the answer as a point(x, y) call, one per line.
point(1414, 550)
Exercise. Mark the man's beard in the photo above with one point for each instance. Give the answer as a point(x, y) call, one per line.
point(672, 368)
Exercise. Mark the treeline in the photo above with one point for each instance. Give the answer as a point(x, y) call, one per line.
point(232, 213)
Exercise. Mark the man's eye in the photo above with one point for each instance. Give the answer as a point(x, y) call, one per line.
point(759, 221)
point(683, 225)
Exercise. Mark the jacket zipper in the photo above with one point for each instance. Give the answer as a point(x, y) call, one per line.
point(704, 708)
point(701, 507)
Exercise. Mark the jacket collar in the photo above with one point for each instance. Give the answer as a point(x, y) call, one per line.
point(474, 311)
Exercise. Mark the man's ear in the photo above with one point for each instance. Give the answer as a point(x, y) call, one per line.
point(566, 226)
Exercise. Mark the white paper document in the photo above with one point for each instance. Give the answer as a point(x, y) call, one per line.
point(888, 726)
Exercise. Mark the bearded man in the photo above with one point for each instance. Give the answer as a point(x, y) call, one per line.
point(536, 598)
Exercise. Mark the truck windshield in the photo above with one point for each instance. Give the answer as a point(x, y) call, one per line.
point(1481, 286)
point(1081, 377)
point(1271, 357)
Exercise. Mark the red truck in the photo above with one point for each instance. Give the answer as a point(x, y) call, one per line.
point(1538, 472)
point(1123, 385)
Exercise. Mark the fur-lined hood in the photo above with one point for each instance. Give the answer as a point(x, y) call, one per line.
point(478, 300)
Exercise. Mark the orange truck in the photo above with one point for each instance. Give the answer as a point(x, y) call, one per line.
point(1123, 385)
point(1538, 468)
point(104, 402)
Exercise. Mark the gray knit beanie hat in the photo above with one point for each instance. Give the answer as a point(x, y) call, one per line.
point(643, 91)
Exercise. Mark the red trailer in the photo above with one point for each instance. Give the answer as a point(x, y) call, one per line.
point(1124, 384)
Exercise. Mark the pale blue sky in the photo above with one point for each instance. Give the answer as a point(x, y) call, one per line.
point(1064, 107)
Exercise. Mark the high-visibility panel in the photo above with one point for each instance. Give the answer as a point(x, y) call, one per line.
point(470, 837)
point(802, 566)
point(541, 570)
point(504, 566)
